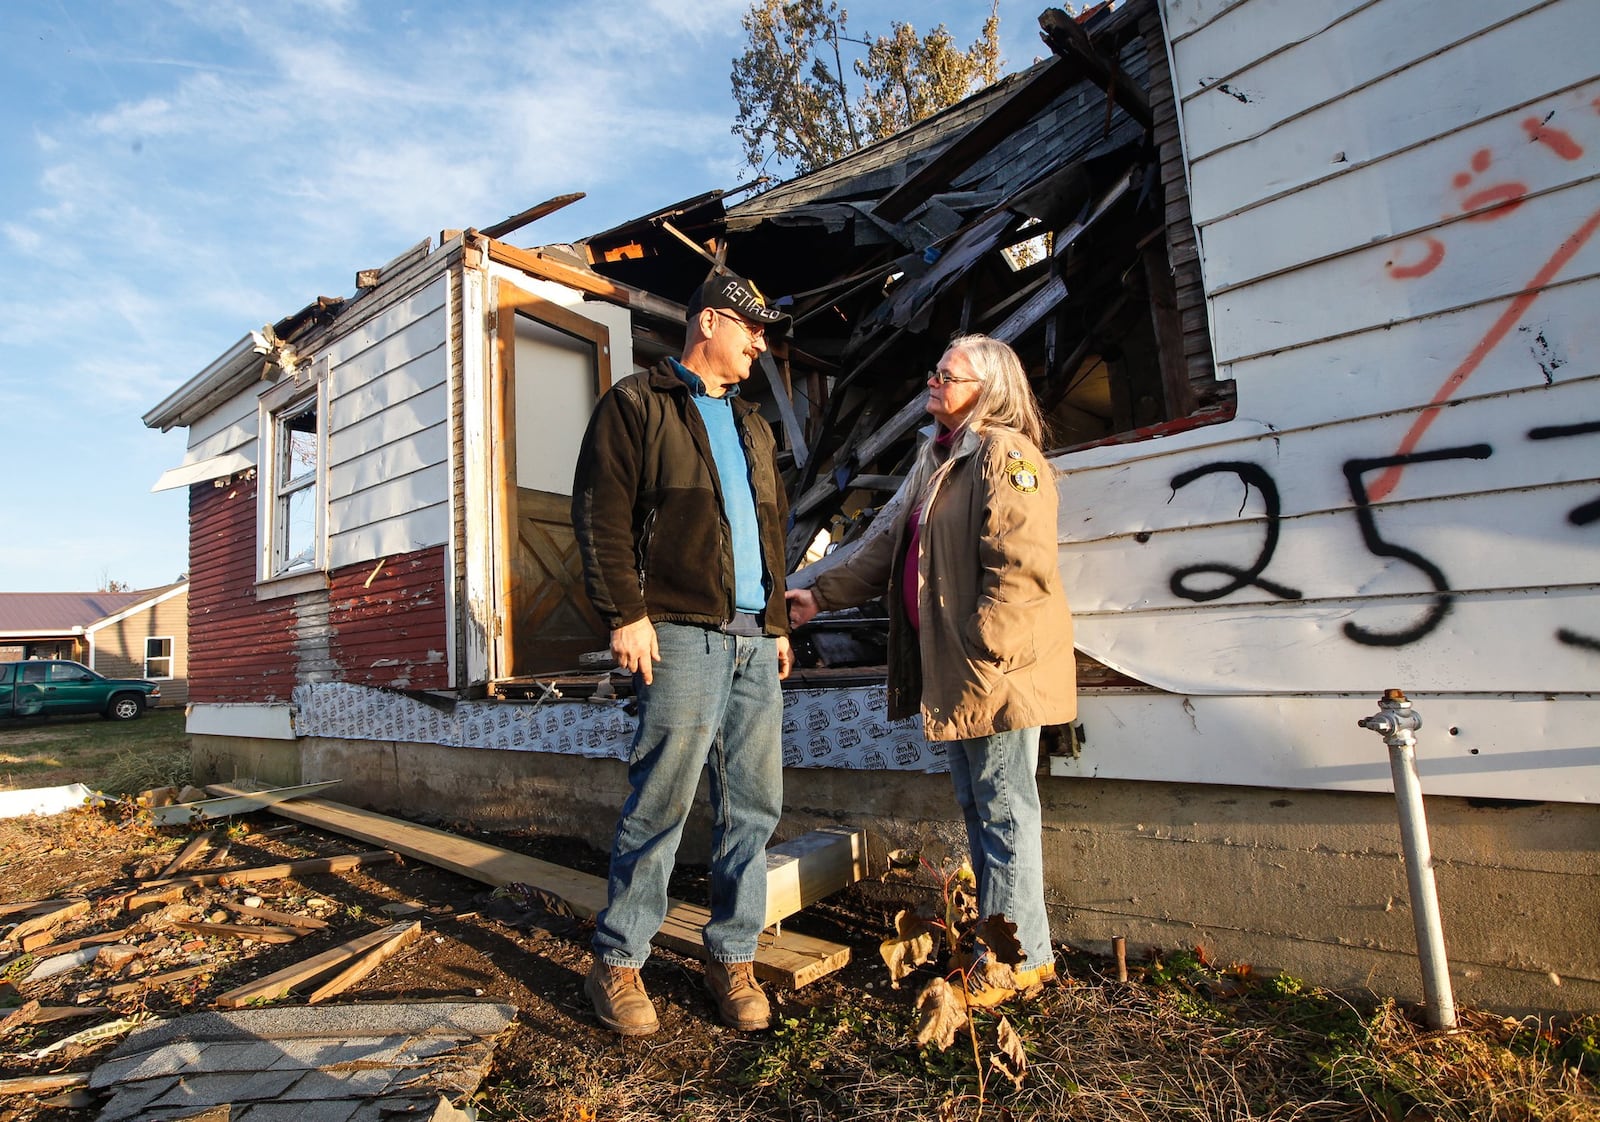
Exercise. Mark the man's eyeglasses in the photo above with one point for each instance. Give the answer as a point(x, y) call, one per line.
point(945, 378)
point(755, 331)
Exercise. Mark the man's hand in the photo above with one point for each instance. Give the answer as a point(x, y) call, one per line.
point(634, 647)
point(785, 657)
point(802, 606)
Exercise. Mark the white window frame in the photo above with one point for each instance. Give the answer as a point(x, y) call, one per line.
point(291, 398)
point(170, 657)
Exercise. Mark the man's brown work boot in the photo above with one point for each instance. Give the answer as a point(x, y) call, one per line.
point(740, 1002)
point(619, 999)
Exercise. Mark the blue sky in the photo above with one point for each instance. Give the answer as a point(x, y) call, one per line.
point(174, 173)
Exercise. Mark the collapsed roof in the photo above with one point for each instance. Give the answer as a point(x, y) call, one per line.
point(1048, 210)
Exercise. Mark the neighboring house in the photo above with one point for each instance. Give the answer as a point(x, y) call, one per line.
point(1314, 329)
point(118, 634)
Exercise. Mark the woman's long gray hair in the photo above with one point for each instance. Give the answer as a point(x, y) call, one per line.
point(1005, 404)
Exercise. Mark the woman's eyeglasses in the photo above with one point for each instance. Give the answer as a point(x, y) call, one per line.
point(945, 378)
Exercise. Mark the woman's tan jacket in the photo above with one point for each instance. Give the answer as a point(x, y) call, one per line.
point(994, 652)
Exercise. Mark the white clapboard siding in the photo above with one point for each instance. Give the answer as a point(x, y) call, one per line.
point(1307, 466)
point(1435, 97)
point(416, 529)
point(230, 427)
point(388, 450)
point(1512, 539)
point(1416, 189)
point(1218, 44)
point(1355, 375)
point(398, 317)
point(1373, 43)
point(1512, 748)
point(1482, 261)
point(428, 448)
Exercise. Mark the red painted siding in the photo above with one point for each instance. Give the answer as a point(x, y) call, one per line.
point(240, 649)
point(391, 631)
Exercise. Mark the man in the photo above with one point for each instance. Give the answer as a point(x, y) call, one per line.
point(680, 514)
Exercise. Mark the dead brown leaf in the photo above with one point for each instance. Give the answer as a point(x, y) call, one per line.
point(1008, 1057)
point(999, 934)
point(941, 1013)
point(910, 947)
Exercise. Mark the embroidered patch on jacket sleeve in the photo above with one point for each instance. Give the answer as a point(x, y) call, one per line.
point(1022, 475)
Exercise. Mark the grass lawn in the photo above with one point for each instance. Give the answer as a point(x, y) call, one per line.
point(117, 757)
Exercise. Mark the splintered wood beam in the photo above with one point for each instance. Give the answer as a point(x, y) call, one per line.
point(532, 214)
point(785, 959)
point(715, 260)
point(1035, 308)
point(791, 421)
point(277, 984)
point(535, 263)
point(37, 930)
point(309, 867)
point(1068, 39)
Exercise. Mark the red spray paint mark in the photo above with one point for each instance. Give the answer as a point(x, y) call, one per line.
point(1492, 202)
point(1558, 141)
point(1508, 319)
point(1422, 268)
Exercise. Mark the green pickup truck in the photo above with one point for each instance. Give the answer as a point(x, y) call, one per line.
point(46, 687)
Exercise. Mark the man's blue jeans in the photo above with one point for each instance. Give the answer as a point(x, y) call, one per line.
point(999, 797)
point(714, 704)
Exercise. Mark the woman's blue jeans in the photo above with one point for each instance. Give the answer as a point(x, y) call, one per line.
point(714, 705)
point(999, 797)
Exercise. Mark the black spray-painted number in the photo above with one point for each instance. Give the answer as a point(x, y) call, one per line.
point(1354, 470)
point(1251, 475)
point(1582, 515)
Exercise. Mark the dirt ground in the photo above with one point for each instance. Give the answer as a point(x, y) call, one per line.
point(475, 945)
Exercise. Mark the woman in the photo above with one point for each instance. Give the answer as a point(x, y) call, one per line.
point(980, 638)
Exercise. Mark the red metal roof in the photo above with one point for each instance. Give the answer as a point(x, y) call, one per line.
point(62, 611)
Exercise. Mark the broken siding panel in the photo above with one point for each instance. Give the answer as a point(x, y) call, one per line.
point(240, 649)
point(388, 623)
point(1534, 57)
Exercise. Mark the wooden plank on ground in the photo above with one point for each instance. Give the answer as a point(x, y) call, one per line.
point(147, 981)
point(43, 1084)
point(277, 984)
point(342, 863)
point(285, 919)
point(197, 845)
point(36, 930)
point(786, 959)
point(260, 932)
point(366, 964)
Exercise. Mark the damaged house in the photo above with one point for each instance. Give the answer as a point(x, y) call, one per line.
point(1306, 293)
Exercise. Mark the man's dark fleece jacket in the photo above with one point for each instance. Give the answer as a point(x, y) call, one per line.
point(647, 508)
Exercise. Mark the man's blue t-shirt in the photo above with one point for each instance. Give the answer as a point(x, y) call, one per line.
point(738, 497)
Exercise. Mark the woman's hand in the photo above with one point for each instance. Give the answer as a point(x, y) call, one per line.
point(802, 606)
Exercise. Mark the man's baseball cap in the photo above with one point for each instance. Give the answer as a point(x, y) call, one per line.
point(735, 294)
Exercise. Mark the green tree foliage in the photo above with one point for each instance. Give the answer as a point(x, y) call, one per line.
point(796, 104)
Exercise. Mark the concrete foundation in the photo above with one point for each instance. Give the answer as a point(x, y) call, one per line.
point(1308, 882)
